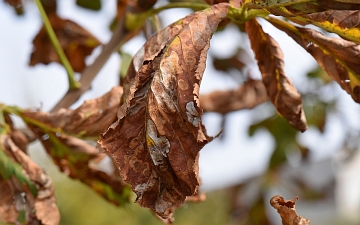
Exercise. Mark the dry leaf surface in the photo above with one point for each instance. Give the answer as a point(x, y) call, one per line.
point(17, 201)
point(75, 157)
point(338, 57)
point(75, 40)
point(158, 135)
point(90, 119)
point(279, 87)
point(287, 211)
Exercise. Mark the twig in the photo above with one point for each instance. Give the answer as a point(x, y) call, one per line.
point(91, 71)
point(73, 84)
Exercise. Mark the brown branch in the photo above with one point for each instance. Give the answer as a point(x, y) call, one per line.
point(120, 35)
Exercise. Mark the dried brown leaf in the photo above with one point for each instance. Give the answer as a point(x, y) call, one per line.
point(75, 40)
point(158, 135)
point(45, 203)
point(88, 120)
point(287, 211)
point(75, 157)
point(78, 159)
point(247, 96)
point(16, 199)
point(279, 87)
point(338, 57)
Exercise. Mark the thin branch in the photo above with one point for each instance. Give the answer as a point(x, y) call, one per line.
point(120, 34)
point(73, 84)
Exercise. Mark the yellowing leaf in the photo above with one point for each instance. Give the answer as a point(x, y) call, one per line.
point(342, 22)
point(279, 87)
point(339, 58)
point(158, 135)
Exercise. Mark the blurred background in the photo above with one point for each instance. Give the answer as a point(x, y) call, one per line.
point(258, 153)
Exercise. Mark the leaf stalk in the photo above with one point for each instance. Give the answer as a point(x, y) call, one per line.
point(73, 84)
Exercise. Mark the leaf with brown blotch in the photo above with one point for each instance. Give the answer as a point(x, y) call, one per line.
point(247, 96)
point(342, 22)
point(75, 40)
point(287, 211)
point(44, 204)
point(18, 203)
point(338, 57)
point(77, 159)
point(158, 135)
point(279, 87)
point(90, 119)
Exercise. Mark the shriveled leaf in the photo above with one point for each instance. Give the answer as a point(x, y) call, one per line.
point(44, 204)
point(279, 87)
point(339, 58)
point(31, 204)
point(9, 168)
point(247, 96)
point(88, 120)
point(158, 135)
point(287, 211)
point(75, 40)
point(76, 158)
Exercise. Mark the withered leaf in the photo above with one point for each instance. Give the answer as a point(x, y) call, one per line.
point(158, 135)
point(76, 158)
point(17, 202)
point(279, 87)
point(338, 57)
point(88, 120)
point(75, 40)
point(247, 96)
point(287, 211)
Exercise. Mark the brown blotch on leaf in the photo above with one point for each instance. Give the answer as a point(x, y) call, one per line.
point(161, 113)
point(280, 89)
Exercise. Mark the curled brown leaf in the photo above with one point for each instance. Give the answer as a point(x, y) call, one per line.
point(16, 199)
point(88, 120)
point(75, 40)
point(76, 157)
point(158, 135)
point(287, 211)
point(279, 87)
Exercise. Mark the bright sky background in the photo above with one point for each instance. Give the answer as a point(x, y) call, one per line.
point(222, 162)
